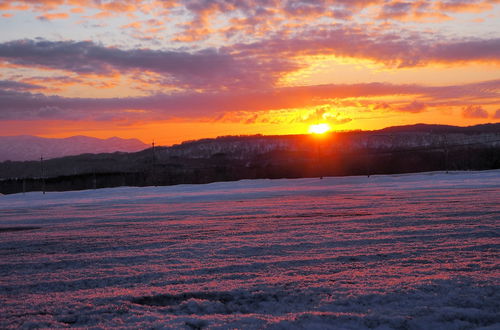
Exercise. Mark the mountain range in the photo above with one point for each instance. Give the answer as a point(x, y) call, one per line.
point(27, 147)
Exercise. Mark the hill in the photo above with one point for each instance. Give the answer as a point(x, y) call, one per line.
point(27, 147)
point(415, 148)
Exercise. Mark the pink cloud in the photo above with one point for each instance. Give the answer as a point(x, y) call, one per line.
point(465, 5)
point(18, 86)
point(17, 103)
point(54, 16)
point(253, 65)
point(474, 111)
point(201, 13)
point(414, 107)
point(390, 48)
point(208, 69)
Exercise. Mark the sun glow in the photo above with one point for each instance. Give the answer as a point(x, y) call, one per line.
point(319, 128)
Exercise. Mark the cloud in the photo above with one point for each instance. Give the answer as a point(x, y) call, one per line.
point(24, 105)
point(88, 57)
point(481, 90)
point(54, 16)
point(257, 65)
point(201, 11)
point(208, 68)
point(49, 112)
point(389, 48)
point(474, 111)
point(395, 10)
point(324, 113)
point(201, 19)
point(497, 114)
point(432, 9)
point(17, 86)
point(465, 5)
point(319, 114)
point(468, 50)
point(413, 107)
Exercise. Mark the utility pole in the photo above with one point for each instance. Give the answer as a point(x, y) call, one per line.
point(368, 157)
point(445, 152)
point(42, 174)
point(154, 162)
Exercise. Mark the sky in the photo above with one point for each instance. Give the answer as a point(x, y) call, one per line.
point(177, 70)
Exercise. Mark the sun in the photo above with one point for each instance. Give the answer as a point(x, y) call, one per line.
point(319, 128)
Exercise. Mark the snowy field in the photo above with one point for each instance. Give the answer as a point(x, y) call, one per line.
point(417, 251)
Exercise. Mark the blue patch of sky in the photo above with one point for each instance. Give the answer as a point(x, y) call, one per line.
point(465, 25)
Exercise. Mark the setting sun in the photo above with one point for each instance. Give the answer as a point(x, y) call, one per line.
point(319, 128)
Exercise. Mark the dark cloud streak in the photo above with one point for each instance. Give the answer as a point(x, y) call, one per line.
point(392, 49)
point(207, 69)
point(24, 105)
point(16, 85)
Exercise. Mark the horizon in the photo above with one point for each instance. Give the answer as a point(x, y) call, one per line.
point(186, 70)
point(241, 135)
point(33, 148)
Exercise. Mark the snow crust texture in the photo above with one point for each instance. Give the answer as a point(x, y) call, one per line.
point(418, 251)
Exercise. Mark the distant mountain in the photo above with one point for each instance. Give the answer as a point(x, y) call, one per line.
point(27, 147)
point(442, 129)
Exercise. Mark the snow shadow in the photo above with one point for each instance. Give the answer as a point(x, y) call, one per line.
point(237, 302)
point(20, 228)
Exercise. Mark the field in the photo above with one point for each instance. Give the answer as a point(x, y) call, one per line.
point(415, 251)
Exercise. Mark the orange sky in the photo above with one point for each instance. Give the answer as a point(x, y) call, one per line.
point(181, 70)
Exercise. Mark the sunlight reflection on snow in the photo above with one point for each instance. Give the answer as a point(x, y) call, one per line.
point(396, 251)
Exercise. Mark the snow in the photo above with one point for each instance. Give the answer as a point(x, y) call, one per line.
point(413, 251)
